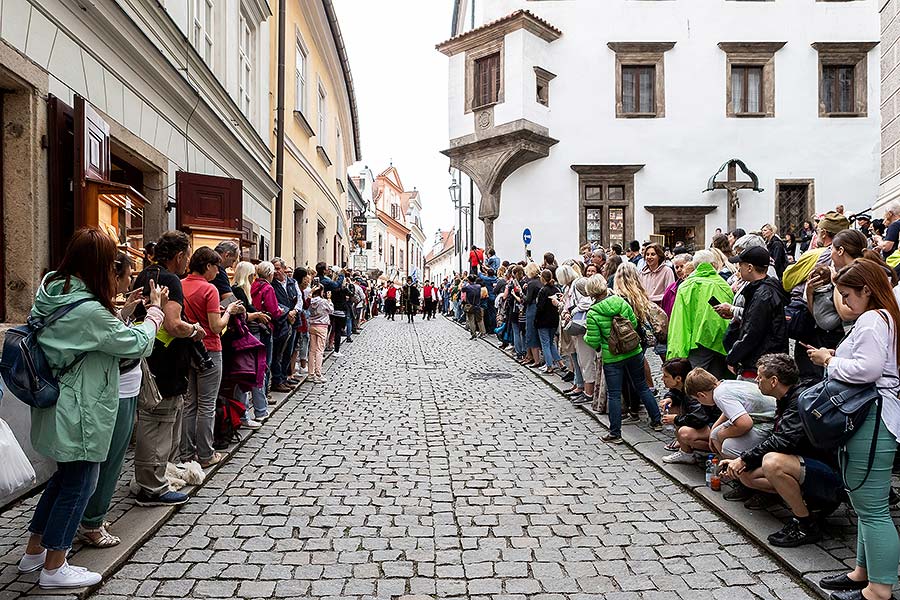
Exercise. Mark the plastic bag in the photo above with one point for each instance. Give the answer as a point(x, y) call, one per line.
point(16, 471)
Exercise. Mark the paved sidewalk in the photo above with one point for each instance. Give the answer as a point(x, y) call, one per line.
point(833, 553)
point(430, 465)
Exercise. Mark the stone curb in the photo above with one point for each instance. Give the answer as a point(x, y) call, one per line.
point(807, 563)
point(139, 524)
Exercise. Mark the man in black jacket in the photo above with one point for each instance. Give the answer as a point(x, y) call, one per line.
point(775, 246)
point(786, 462)
point(761, 328)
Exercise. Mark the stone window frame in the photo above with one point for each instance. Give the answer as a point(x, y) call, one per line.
point(542, 79)
point(606, 176)
point(751, 54)
point(810, 184)
point(642, 54)
point(492, 47)
point(854, 54)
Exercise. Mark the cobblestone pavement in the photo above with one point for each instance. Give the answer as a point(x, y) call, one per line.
point(431, 465)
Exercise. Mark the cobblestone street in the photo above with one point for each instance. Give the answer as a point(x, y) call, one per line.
point(431, 465)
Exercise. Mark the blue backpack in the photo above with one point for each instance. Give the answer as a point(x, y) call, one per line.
point(24, 366)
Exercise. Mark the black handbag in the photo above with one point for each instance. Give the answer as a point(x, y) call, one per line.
point(832, 412)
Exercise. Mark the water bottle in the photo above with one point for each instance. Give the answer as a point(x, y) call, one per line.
point(710, 468)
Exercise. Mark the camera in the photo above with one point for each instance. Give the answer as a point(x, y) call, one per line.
point(201, 356)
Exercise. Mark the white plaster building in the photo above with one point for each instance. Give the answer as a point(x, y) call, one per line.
point(439, 262)
point(376, 230)
point(604, 121)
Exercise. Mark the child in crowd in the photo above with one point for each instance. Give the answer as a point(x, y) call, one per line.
point(692, 419)
point(320, 309)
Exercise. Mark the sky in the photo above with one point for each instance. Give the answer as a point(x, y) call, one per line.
point(400, 82)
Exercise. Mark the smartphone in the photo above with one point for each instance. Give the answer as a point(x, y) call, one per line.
point(807, 346)
point(315, 281)
point(714, 302)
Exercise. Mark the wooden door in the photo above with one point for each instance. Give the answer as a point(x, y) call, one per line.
point(92, 160)
point(299, 236)
point(206, 201)
point(60, 167)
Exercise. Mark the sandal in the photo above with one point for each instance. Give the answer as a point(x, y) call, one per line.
point(216, 459)
point(99, 537)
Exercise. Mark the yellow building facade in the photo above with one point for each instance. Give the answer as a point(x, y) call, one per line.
point(321, 136)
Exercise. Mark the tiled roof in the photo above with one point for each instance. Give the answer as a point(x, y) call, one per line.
point(500, 21)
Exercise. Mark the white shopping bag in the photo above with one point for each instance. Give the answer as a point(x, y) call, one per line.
point(16, 471)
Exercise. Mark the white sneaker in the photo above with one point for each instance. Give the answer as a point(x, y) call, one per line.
point(262, 418)
point(680, 458)
point(32, 562)
point(312, 379)
point(68, 577)
point(322, 379)
point(337, 354)
point(251, 424)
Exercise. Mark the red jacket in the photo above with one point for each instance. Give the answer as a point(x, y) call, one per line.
point(476, 257)
point(263, 296)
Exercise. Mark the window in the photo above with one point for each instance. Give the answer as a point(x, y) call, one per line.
point(484, 76)
point(300, 74)
point(843, 69)
point(606, 202)
point(747, 89)
point(322, 108)
point(487, 80)
point(392, 255)
point(245, 76)
point(750, 78)
point(340, 153)
point(640, 78)
point(794, 202)
point(638, 89)
point(543, 78)
point(837, 88)
point(203, 29)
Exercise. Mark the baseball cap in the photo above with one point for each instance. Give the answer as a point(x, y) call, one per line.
point(756, 256)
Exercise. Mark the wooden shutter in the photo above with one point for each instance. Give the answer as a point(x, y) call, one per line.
point(206, 201)
point(91, 158)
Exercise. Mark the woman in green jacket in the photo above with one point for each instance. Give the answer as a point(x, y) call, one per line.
point(616, 366)
point(77, 430)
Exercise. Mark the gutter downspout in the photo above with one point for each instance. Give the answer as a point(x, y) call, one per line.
point(279, 128)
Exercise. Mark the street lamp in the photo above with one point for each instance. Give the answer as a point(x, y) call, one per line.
point(454, 196)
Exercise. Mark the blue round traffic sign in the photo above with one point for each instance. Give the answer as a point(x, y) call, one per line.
point(526, 236)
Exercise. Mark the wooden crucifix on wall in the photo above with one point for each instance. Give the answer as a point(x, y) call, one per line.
point(732, 185)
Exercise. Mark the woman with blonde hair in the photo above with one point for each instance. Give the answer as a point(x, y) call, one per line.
point(565, 277)
point(241, 287)
point(532, 341)
point(627, 284)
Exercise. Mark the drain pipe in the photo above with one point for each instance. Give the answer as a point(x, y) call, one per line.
point(279, 129)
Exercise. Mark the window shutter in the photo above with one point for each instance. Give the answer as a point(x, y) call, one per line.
point(206, 201)
point(91, 157)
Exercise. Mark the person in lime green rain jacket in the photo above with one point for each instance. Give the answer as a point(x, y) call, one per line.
point(696, 331)
point(617, 367)
point(76, 431)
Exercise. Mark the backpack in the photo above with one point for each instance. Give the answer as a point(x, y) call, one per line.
point(799, 322)
point(24, 366)
point(623, 338)
point(227, 421)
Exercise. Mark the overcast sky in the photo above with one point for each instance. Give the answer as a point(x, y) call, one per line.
point(401, 92)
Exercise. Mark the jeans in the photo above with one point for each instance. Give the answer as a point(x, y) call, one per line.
point(548, 346)
point(576, 368)
point(877, 546)
point(349, 328)
point(158, 434)
point(337, 325)
point(59, 511)
point(531, 335)
point(280, 347)
point(258, 395)
point(633, 368)
point(200, 411)
point(302, 345)
point(111, 468)
point(490, 317)
point(288, 353)
point(518, 338)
